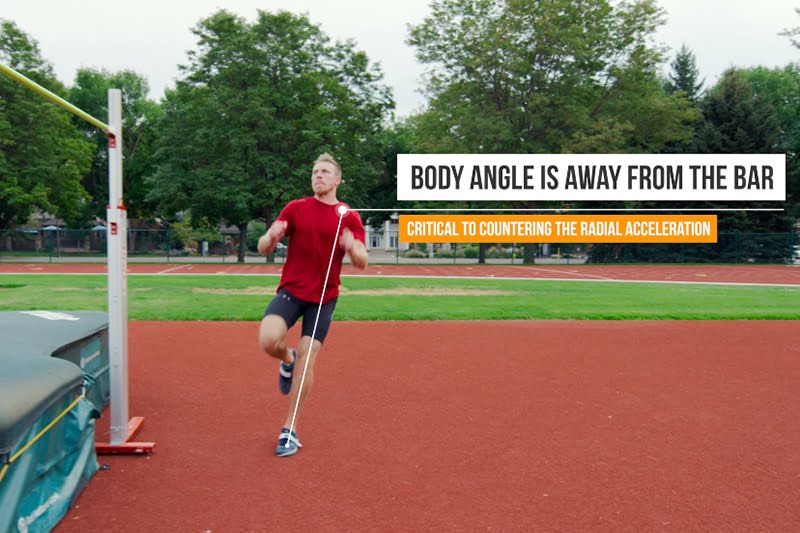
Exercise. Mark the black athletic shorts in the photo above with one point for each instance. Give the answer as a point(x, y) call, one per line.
point(290, 308)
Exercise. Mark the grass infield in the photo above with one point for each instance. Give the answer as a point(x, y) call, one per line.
point(231, 297)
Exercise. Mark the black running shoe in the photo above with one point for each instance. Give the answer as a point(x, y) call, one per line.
point(288, 444)
point(286, 372)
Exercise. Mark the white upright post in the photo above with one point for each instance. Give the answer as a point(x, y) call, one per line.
point(117, 275)
point(122, 430)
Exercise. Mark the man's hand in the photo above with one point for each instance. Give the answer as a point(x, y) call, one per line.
point(346, 240)
point(267, 242)
point(354, 248)
point(277, 230)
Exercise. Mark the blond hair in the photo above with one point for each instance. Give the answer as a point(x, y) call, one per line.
point(328, 158)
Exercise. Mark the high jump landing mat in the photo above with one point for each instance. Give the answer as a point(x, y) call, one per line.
point(54, 381)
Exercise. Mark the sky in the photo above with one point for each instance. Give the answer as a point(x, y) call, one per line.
point(152, 37)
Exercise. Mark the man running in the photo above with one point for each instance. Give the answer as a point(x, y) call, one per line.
point(311, 224)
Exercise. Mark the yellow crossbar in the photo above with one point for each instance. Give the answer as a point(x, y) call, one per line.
point(13, 74)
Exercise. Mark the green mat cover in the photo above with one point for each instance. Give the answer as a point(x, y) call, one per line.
point(38, 488)
point(80, 337)
point(47, 433)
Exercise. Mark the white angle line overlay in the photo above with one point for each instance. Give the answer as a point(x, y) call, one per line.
point(342, 210)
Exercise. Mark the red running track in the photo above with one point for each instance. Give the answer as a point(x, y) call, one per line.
point(420, 426)
point(757, 274)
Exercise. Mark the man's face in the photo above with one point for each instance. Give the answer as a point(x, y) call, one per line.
point(324, 178)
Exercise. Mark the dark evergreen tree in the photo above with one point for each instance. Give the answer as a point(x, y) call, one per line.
point(684, 76)
point(737, 121)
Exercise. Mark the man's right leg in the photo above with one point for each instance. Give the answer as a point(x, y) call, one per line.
point(272, 338)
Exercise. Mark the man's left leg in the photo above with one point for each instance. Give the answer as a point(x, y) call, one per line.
point(316, 323)
point(288, 444)
point(305, 377)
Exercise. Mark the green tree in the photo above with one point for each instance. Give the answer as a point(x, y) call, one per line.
point(684, 75)
point(546, 76)
point(793, 165)
point(747, 111)
point(683, 79)
point(42, 155)
point(257, 104)
point(396, 138)
point(793, 33)
point(737, 120)
point(139, 117)
point(780, 88)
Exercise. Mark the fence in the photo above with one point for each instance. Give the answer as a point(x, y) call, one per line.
point(56, 243)
point(165, 245)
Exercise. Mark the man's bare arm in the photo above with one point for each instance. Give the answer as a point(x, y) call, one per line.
point(270, 239)
point(355, 249)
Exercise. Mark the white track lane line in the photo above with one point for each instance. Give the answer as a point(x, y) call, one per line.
point(173, 269)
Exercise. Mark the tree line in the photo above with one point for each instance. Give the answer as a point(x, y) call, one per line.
point(257, 101)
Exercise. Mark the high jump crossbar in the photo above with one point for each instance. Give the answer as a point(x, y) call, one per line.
point(122, 429)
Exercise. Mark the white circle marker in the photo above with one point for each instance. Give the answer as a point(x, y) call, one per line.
point(342, 210)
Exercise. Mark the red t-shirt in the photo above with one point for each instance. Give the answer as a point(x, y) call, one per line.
point(311, 228)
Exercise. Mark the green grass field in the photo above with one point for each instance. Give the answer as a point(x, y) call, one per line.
point(230, 297)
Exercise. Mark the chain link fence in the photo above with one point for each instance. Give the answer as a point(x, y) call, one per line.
point(156, 245)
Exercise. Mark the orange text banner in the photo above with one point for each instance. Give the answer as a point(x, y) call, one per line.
point(558, 228)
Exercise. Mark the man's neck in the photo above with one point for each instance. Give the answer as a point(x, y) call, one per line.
point(327, 198)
